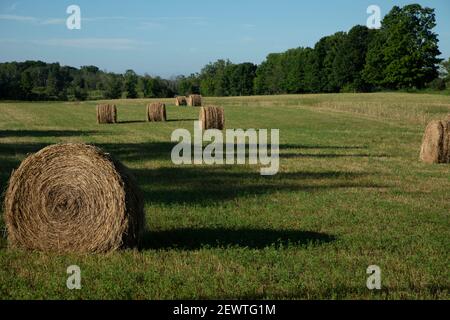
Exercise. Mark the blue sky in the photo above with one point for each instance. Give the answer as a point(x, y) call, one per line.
point(173, 37)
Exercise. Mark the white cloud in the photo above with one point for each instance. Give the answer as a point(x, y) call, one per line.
point(93, 19)
point(83, 43)
point(33, 20)
point(192, 19)
point(52, 21)
point(13, 17)
point(95, 43)
point(145, 22)
point(10, 41)
point(151, 25)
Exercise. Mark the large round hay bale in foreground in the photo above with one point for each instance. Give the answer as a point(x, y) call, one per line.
point(156, 112)
point(73, 198)
point(435, 144)
point(194, 100)
point(106, 113)
point(180, 101)
point(212, 117)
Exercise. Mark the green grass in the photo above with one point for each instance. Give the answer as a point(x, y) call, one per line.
point(350, 193)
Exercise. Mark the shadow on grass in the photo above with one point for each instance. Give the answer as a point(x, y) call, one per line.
point(302, 146)
point(162, 150)
point(44, 133)
point(208, 186)
point(193, 239)
point(131, 121)
point(143, 121)
point(146, 151)
point(180, 120)
point(10, 153)
point(202, 185)
point(331, 155)
point(139, 151)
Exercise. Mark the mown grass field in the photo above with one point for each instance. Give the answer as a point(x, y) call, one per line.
point(350, 193)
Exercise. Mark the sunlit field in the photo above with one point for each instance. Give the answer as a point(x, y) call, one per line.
point(350, 193)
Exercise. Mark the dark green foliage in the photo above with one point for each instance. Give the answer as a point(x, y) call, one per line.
point(283, 72)
point(213, 79)
point(404, 52)
point(437, 84)
point(444, 71)
point(130, 84)
point(240, 79)
point(188, 85)
point(223, 78)
point(36, 80)
point(113, 87)
point(319, 70)
point(269, 76)
point(350, 60)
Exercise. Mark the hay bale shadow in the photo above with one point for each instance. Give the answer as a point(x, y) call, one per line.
point(131, 121)
point(180, 120)
point(44, 133)
point(193, 239)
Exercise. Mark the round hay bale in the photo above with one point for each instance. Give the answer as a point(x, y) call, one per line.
point(180, 101)
point(446, 142)
point(106, 113)
point(156, 112)
point(73, 198)
point(212, 117)
point(194, 100)
point(434, 139)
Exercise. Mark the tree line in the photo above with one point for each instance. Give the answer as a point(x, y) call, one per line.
point(402, 54)
point(37, 80)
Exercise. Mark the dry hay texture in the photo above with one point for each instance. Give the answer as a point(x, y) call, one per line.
point(180, 101)
point(156, 112)
point(212, 117)
point(446, 144)
point(194, 100)
point(106, 113)
point(436, 142)
point(73, 198)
